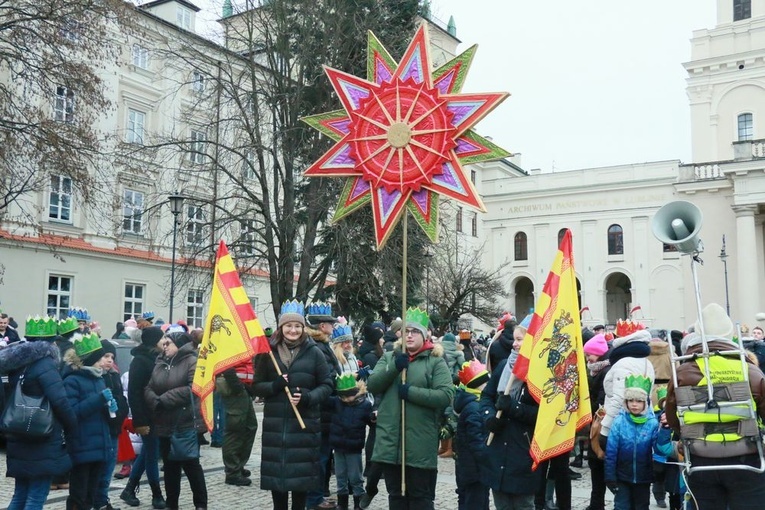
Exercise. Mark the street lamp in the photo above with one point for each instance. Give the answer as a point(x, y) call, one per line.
point(176, 207)
point(427, 256)
point(724, 258)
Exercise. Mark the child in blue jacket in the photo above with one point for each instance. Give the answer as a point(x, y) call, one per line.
point(629, 451)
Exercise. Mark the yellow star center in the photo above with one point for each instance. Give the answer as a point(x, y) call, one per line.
point(399, 134)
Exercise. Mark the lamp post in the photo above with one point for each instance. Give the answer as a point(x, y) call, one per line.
point(427, 255)
point(724, 258)
point(176, 207)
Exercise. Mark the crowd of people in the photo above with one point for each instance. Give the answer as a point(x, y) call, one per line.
point(383, 409)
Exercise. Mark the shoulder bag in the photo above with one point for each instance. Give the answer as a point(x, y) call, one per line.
point(26, 416)
point(184, 443)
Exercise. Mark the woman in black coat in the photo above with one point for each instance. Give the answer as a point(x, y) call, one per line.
point(290, 454)
point(34, 463)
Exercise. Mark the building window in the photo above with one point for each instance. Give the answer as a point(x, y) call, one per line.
point(63, 106)
point(253, 303)
point(194, 224)
point(248, 237)
point(561, 233)
point(136, 121)
point(59, 296)
point(133, 304)
point(195, 308)
point(140, 56)
point(248, 166)
point(60, 198)
point(459, 219)
point(197, 146)
point(474, 225)
point(742, 9)
point(132, 211)
point(472, 176)
point(197, 82)
point(521, 246)
point(615, 240)
point(183, 17)
point(745, 127)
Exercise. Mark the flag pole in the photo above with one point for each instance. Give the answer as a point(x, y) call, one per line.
point(499, 411)
point(403, 346)
point(287, 391)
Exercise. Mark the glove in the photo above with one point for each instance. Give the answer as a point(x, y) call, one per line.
point(494, 424)
point(505, 403)
point(363, 374)
point(613, 487)
point(279, 384)
point(403, 391)
point(402, 361)
point(107, 394)
point(112, 404)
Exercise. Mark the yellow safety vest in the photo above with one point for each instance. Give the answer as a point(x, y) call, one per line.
point(721, 424)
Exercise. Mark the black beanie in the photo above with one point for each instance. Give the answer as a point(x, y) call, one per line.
point(92, 358)
point(151, 335)
point(179, 338)
point(108, 347)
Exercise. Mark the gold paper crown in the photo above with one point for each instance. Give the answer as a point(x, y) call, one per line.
point(626, 328)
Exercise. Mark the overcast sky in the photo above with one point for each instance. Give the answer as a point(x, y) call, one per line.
point(592, 82)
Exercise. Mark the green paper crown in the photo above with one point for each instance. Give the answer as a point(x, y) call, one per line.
point(67, 325)
point(40, 327)
point(345, 382)
point(661, 393)
point(418, 316)
point(639, 382)
point(85, 344)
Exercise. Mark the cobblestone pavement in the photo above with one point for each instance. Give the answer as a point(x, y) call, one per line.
point(227, 497)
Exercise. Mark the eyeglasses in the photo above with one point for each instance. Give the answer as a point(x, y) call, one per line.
point(412, 331)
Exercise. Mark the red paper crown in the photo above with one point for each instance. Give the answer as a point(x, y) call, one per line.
point(470, 370)
point(626, 328)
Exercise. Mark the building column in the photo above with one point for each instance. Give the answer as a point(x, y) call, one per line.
point(748, 301)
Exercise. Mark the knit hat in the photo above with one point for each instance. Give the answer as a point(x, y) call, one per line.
point(378, 325)
point(131, 323)
point(151, 335)
point(108, 347)
point(179, 338)
point(418, 319)
point(587, 334)
point(717, 324)
point(268, 332)
point(473, 374)
point(292, 311)
point(637, 387)
point(396, 325)
point(449, 338)
point(596, 345)
point(526, 322)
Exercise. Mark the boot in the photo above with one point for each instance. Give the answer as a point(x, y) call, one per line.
point(356, 502)
point(366, 499)
point(129, 494)
point(579, 457)
point(447, 453)
point(342, 502)
point(157, 501)
point(124, 472)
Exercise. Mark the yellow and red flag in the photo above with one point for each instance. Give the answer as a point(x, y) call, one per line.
point(551, 361)
point(232, 334)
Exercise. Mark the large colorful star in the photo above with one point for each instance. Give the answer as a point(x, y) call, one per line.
point(404, 135)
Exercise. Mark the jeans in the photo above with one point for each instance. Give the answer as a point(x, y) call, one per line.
point(420, 487)
point(504, 501)
point(194, 474)
point(83, 484)
point(633, 496)
point(315, 497)
point(348, 471)
point(732, 489)
point(147, 460)
point(473, 496)
point(102, 491)
point(219, 419)
point(659, 476)
point(30, 493)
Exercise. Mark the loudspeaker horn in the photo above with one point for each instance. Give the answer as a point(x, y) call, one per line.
point(678, 224)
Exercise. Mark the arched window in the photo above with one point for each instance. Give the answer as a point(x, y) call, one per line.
point(521, 246)
point(561, 233)
point(745, 127)
point(615, 240)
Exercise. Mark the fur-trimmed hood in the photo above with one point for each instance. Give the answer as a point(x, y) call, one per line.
point(317, 335)
point(21, 354)
point(437, 350)
point(72, 360)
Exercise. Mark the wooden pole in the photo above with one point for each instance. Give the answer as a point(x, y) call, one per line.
point(403, 347)
point(287, 390)
point(499, 411)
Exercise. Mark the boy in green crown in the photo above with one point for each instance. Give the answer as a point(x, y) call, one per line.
point(629, 452)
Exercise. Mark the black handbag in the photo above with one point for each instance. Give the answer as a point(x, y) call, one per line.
point(25, 416)
point(184, 443)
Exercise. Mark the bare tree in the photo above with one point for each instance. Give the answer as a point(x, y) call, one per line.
point(51, 93)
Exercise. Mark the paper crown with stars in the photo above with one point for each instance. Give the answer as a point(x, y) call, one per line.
point(85, 344)
point(292, 311)
point(341, 333)
point(637, 387)
point(40, 327)
point(67, 325)
point(418, 319)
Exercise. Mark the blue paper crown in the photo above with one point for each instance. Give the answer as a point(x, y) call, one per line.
point(147, 315)
point(293, 306)
point(81, 314)
point(340, 331)
point(320, 308)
